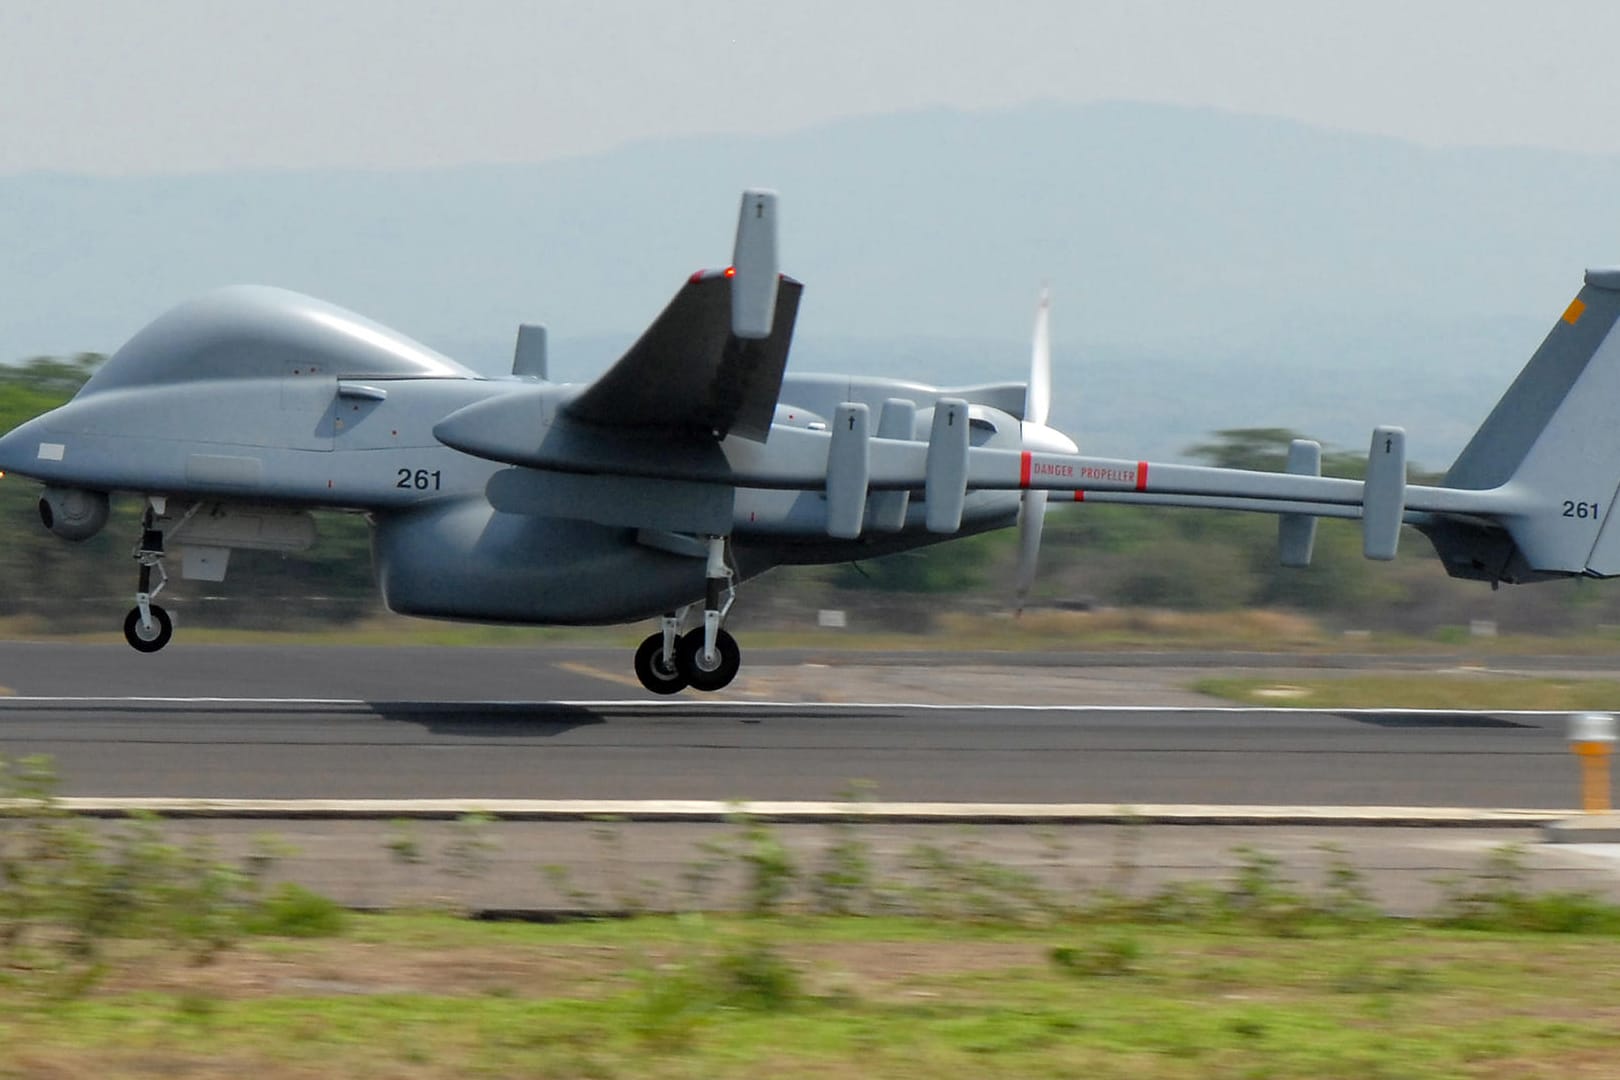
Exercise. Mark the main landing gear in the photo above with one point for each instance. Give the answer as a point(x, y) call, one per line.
point(705, 657)
point(148, 627)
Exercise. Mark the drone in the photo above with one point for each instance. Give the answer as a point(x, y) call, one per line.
point(697, 461)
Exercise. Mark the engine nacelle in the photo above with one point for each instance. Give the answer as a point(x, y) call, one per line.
point(73, 513)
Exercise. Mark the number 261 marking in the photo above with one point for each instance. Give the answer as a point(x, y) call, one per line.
point(1584, 510)
point(419, 479)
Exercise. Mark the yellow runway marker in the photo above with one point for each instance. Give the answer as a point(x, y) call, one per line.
point(1592, 737)
point(580, 668)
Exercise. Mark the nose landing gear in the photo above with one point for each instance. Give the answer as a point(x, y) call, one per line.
point(148, 627)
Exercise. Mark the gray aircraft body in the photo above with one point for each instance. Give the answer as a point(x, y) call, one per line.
point(696, 461)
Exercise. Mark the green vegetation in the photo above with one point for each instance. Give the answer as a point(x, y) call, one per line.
point(126, 956)
point(70, 893)
point(1143, 560)
point(838, 997)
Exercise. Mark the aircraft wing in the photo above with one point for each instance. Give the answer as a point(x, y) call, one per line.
point(690, 373)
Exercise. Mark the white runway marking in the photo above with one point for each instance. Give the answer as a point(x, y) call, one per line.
point(708, 704)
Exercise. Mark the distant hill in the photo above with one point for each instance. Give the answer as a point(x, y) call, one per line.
point(1209, 269)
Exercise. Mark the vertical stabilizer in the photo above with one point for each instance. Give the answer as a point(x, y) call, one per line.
point(1553, 440)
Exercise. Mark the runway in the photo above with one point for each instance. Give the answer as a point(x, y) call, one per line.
point(528, 724)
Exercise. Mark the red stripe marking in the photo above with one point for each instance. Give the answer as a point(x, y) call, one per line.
point(1079, 496)
point(1141, 476)
point(1026, 467)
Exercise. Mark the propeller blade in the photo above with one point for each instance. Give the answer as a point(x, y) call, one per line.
point(1030, 520)
point(1039, 402)
point(1037, 405)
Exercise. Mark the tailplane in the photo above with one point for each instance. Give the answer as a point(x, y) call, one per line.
point(1553, 444)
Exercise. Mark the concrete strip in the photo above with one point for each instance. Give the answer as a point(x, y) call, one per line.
point(551, 868)
point(698, 810)
point(1583, 829)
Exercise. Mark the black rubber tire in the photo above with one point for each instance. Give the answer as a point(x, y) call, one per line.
point(160, 622)
point(689, 650)
point(650, 667)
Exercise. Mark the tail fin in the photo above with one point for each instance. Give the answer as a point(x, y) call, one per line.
point(1554, 441)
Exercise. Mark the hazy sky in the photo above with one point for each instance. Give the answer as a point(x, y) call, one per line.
point(119, 86)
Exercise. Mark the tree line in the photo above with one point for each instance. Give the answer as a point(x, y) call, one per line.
point(1093, 555)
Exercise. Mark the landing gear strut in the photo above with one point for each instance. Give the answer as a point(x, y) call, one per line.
point(706, 657)
point(148, 627)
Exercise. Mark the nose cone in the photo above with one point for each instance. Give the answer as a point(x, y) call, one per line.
point(24, 445)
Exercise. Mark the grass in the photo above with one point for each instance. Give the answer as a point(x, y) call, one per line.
point(428, 997)
point(1419, 691)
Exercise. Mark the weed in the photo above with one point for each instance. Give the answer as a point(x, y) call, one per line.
point(767, 864)
point(625, 898)
point(698, 877)
point(561, 881)
point(1127, 860)
point(470, 851)
point(404, 843)
point(1345, 899)
point(751, 974)
point(669, 1009)
point(961, 885)
point(67, 891)
point(1113, 954)
point(1262, 898)
point(675, 1000)
point(196, 1008)
point(1364, 976)
point(294, 911)
point(843, 881)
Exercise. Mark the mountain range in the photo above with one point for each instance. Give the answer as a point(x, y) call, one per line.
point(1209, 269)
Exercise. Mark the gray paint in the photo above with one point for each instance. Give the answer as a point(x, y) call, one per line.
point(254, 395)
point(1504, 439)
point(689, 373)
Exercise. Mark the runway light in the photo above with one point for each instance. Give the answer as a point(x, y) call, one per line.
point(1592, 737)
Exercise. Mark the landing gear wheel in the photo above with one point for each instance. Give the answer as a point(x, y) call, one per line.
point(650, 667)
point(689, 658)
point(148, 639)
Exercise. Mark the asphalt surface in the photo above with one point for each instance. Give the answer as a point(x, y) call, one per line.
point(561, 723)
